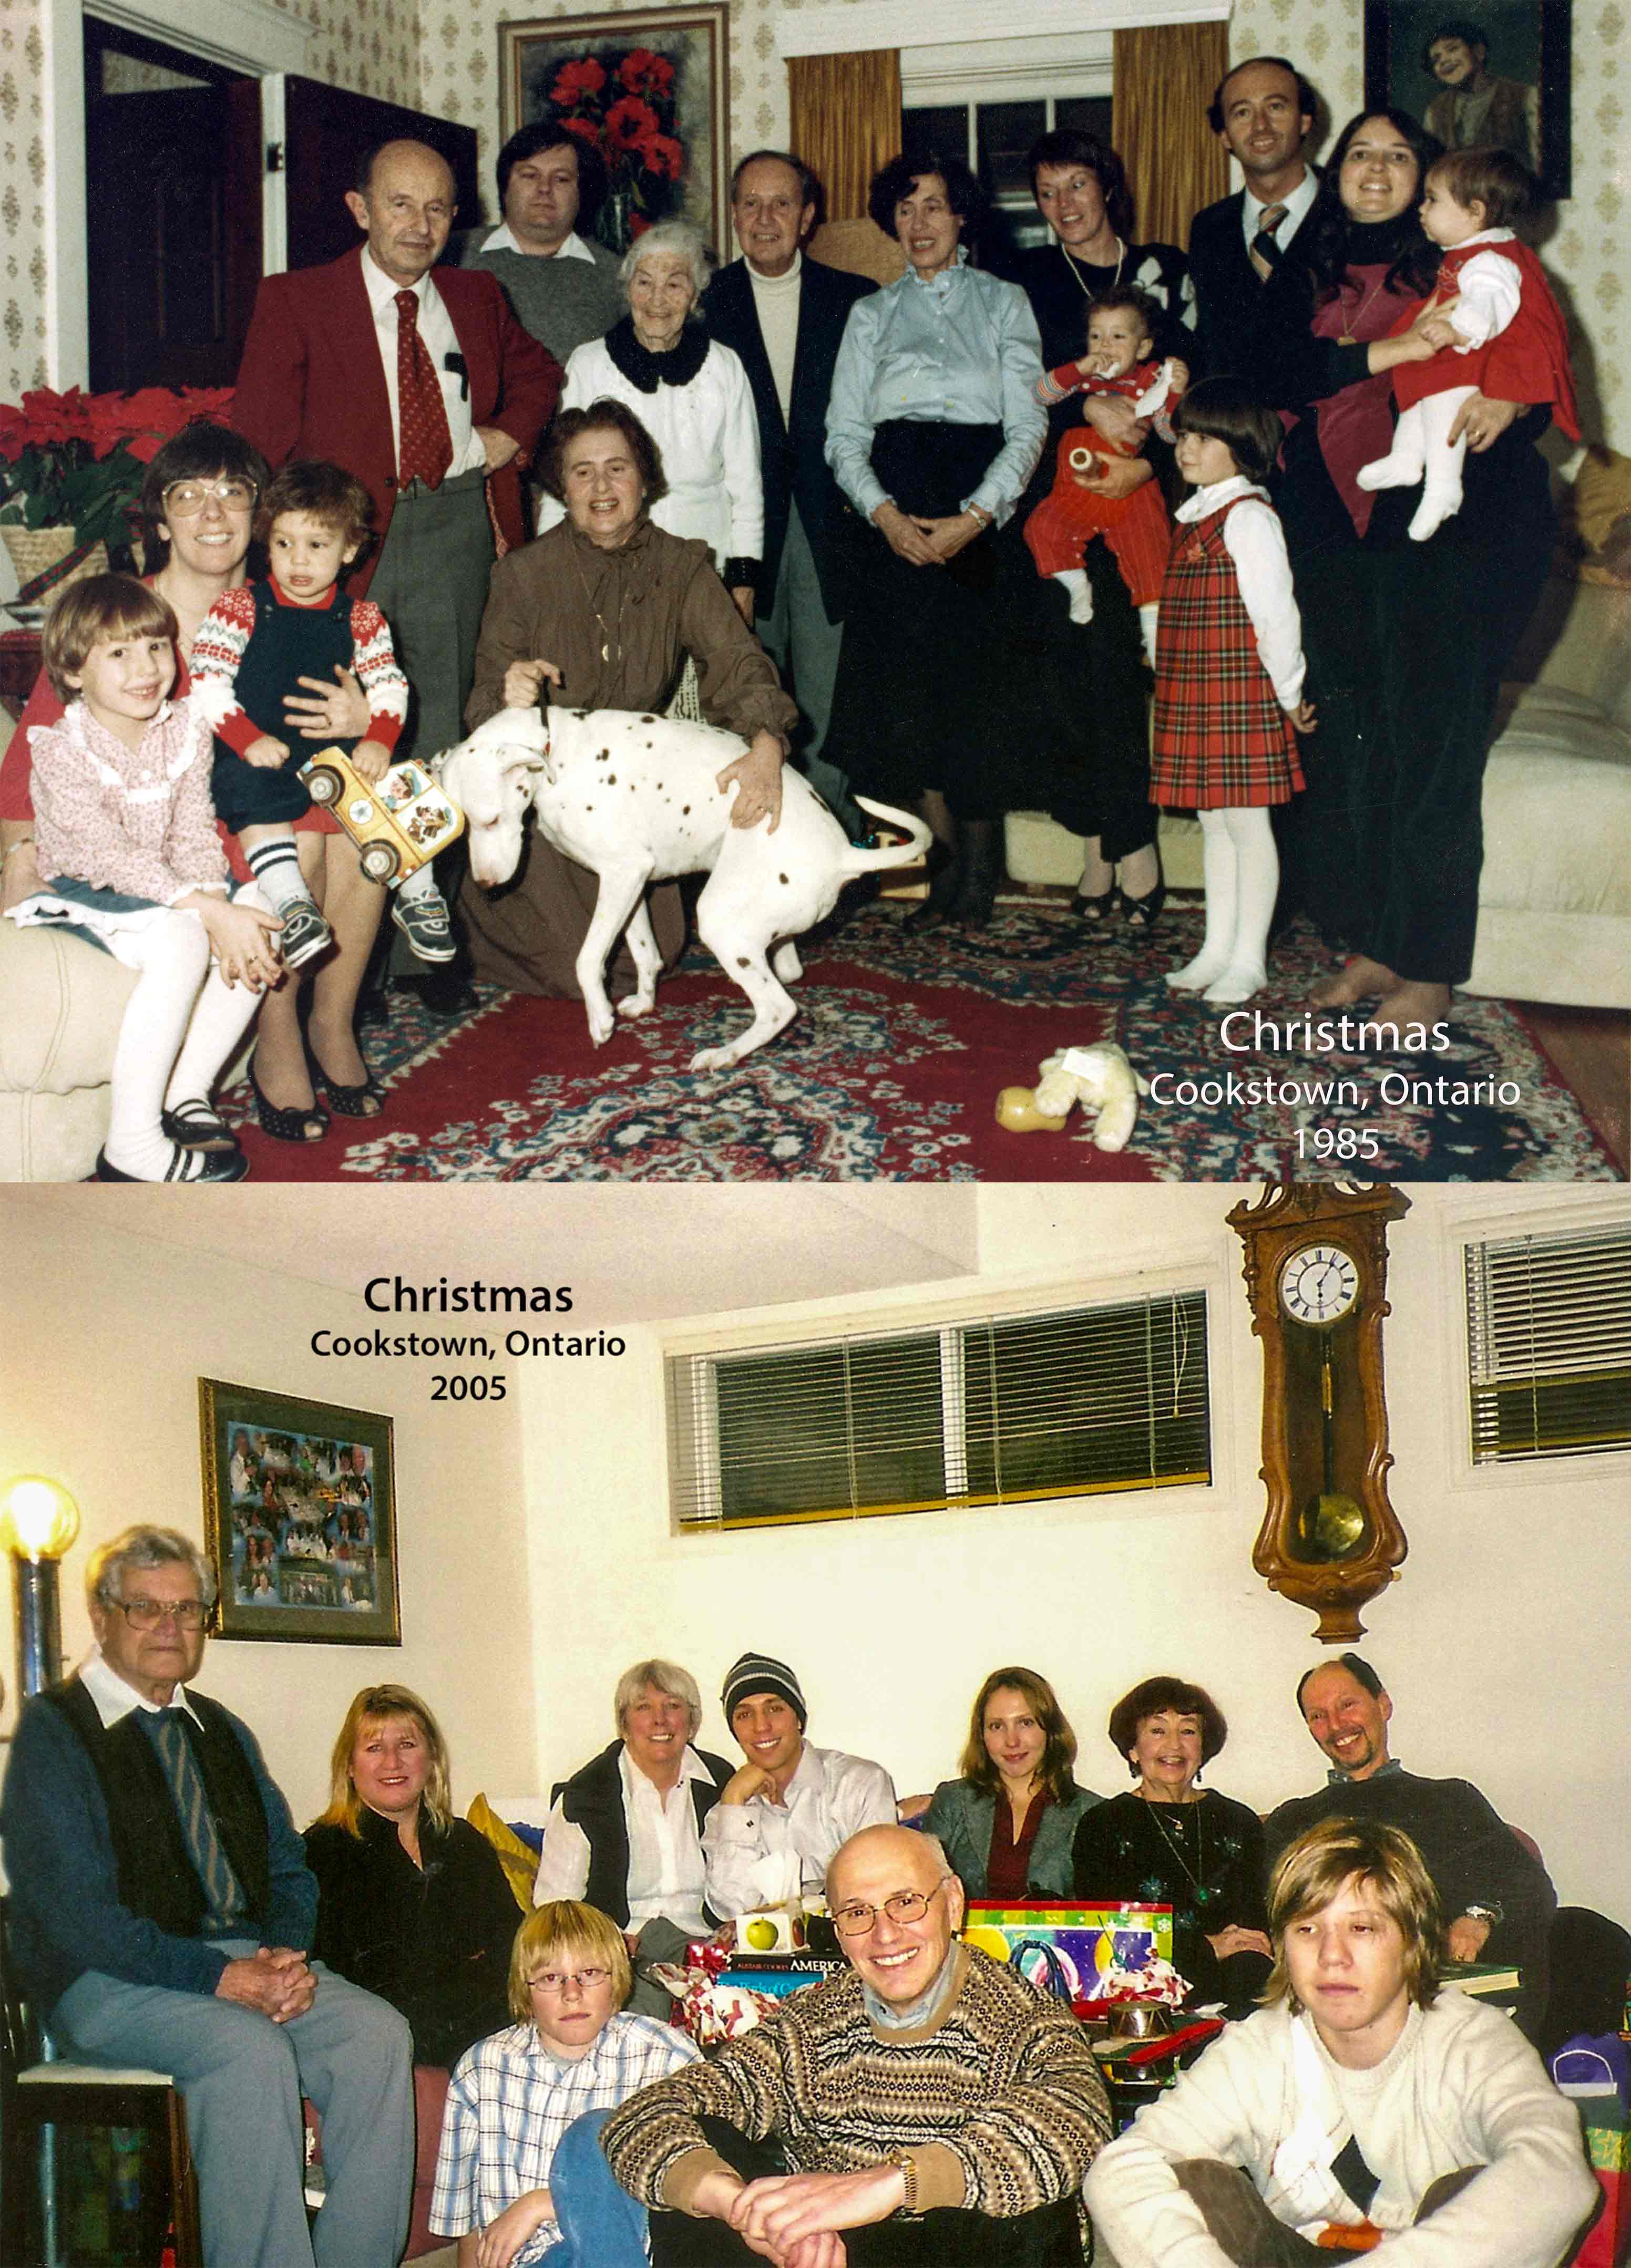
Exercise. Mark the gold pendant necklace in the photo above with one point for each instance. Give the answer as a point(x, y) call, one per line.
point(1204, 1896)
point(606, 634)
point(1348, 337)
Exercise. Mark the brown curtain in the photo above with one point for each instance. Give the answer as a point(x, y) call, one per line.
point(1164, 79)
point(846, 122)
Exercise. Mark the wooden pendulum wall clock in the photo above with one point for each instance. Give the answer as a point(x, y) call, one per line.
point(1316, 1271)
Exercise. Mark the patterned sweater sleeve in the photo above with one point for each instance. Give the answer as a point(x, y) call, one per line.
point(379, 673)
point(1058, 384)
point(219, 647)
point(655, 2144)
point(1037, 2133)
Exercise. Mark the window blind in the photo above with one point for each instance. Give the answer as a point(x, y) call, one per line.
point(1549, 1344)
point(998, 1410)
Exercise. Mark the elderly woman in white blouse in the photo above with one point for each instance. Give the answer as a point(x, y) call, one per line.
point(693, 398)
point(933, 432)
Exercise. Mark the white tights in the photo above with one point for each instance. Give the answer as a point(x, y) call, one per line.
point(1242, 871)
point(1422, 452)
point(180, 1027)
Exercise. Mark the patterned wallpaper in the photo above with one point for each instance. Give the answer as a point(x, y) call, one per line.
point(443, 55)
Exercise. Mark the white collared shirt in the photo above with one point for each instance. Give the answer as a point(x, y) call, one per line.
point(503, 239)
point(1297, 205)
point(441, 339)
point(764, 1854)
point(665, 1852)
point(115, 1698)
point(1256, 543)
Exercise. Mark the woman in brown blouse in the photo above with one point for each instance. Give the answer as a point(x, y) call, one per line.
point(605, 609)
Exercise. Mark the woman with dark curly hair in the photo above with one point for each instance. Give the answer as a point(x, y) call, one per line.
point(602, 613)
point(932, 433)
point(1170, 1842)
point(1007, 1823)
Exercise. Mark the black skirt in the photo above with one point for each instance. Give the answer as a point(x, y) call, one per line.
point(930, 684)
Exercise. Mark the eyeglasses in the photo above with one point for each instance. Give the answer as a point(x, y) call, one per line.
point(147, 1614)
point(905, 1905)
point(186, 499)
point(553, 1982)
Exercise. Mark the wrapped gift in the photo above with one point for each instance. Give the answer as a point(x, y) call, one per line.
point(1593, 2072)
point(1087, 1943)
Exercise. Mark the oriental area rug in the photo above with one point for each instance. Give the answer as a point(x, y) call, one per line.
point(891, 1072)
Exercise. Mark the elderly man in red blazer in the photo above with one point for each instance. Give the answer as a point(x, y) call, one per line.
point(419, 380)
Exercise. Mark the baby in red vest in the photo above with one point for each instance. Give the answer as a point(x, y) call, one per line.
point(1495, 327)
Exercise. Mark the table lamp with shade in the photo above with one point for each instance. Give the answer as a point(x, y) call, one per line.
point(39, 1521)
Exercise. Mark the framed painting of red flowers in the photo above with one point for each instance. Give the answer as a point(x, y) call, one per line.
point(648, 87)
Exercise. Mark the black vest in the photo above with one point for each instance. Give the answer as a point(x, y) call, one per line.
point(157, 1878)
point(593, 1800)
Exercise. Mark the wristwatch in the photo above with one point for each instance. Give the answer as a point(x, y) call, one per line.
point(909, 2176)
point(1482, 1911)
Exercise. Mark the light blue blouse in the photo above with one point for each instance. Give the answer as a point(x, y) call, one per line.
point(962, 348)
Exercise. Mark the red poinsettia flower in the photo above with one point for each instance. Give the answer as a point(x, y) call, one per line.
point(574, 83)
point(629, 123)
point(14, 434)
point(108, 418)
point(660, 154)
point(642, 72)
point(56, 417)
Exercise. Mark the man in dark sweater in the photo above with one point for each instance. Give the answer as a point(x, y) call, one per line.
point(784, 313)
point(562, 284)
point(1496, 1899)
point(161, 1910)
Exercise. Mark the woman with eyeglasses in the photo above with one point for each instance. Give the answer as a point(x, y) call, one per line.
point(197, 505)
point(412, 1903)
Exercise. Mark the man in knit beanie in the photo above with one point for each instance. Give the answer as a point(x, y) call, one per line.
point(784, 1811)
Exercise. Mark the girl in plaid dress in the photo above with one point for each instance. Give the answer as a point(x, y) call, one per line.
point(1229, 679)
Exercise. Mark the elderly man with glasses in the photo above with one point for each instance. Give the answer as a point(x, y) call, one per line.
point(930, 2107)
point(161, 1912)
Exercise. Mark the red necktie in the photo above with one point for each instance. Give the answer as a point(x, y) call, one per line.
point(426, 449)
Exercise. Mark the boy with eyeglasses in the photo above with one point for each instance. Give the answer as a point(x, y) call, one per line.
point(929, 2109)
point(507, 2176)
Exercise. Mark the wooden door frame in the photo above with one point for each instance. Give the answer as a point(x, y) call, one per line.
point(249, 35)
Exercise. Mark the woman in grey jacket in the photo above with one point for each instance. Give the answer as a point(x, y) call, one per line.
point(1008, 1823)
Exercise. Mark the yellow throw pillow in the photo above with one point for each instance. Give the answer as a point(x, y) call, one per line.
point(521, 1865)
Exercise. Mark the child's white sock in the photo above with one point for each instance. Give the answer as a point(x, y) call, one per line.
point(1150, 617)
point(1406, 461)
point(276, 866)
point(1075, 581)
point(1217, 860)
point(1441, 497)
point(1257, 882)
point(171, 957)
point(222, 1015)
point(421, 884)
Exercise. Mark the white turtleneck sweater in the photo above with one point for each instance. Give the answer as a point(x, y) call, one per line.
point(775, 302)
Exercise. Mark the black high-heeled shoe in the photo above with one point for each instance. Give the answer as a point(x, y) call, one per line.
point(1094, 912)
point(365, 1099)
point(1140, 915)
point(291, 1122)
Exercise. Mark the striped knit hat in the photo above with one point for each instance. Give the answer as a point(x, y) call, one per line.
point(762, 1673)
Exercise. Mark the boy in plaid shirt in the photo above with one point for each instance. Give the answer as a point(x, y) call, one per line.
point(512, 2096)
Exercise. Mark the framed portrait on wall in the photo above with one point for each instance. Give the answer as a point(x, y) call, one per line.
point(649, 88)
point(1494, 75)
point(299, 1517)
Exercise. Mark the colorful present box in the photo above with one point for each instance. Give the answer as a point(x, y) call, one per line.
point(1088, 1942)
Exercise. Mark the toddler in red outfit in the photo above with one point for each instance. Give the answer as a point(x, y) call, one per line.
point(1121, 326)
point(1500, 332)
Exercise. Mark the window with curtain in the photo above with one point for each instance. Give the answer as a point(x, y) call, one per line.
point(1001, 1410)
point(1549, 1344)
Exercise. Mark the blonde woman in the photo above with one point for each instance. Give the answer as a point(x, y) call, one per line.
point(412, 1903)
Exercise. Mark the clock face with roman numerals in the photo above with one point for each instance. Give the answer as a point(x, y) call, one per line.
point(1318, 1285)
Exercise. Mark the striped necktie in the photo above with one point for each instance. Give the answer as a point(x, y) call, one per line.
point(1264, 247)
point(221, 1888)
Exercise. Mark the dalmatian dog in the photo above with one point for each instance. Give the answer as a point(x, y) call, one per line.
point(635, 798)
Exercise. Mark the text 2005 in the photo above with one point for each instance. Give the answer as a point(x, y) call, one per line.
point(457, 1388)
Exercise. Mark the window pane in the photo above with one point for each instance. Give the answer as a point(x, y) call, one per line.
point(1005, 131)
point(1088, 113)
point(830, 1428)
point(940, 127)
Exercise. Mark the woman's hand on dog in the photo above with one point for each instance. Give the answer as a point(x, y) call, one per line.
point(523, 682)
point(757, 775)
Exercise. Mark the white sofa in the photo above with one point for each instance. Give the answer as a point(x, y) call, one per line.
point(1554, 904)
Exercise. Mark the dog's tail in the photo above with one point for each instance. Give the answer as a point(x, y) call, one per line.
point(856, 861)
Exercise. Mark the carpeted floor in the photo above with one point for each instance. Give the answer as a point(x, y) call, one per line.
point(891, 1070)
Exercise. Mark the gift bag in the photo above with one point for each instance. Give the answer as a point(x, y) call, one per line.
point(1593, 2072)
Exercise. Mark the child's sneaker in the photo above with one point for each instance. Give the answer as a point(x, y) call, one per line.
point(304, 933)
point(424, 922)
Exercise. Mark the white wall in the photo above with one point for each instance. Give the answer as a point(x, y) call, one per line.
point(1502, 1644)
point(108, 1336)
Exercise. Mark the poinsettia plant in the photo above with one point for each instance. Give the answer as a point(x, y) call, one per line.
point(76, 460)
point(624, 107)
